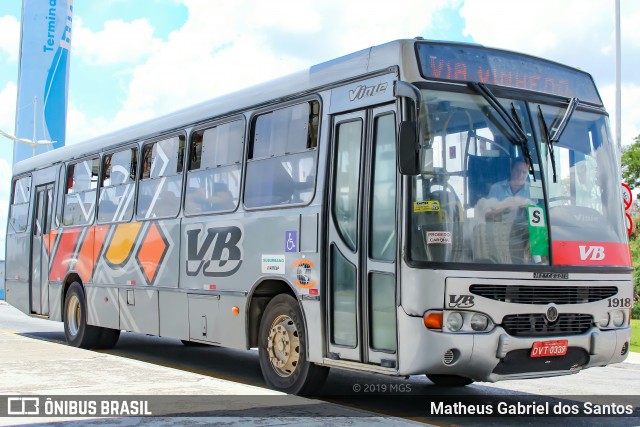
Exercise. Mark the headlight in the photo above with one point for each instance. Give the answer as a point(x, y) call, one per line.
point(479, 322)
point(617, 318)
point(454, 321)
point(604, 320)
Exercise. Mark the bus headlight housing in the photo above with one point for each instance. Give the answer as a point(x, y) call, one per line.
point(454, 321)
point(458, 321)
point(604, 320)
point(617, 318)
point(479, 322)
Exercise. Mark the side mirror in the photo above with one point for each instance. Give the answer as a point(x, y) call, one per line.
point(408, 150)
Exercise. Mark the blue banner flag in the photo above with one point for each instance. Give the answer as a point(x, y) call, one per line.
point(43, 79)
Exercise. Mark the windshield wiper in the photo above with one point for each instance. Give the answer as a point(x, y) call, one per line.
point(545, 129)
point(573, 102)
point(525, 148)
point(512, 124)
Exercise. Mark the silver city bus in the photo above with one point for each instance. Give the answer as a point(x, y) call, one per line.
point(413, 208)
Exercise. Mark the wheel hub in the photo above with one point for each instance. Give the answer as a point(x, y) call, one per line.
point(283, 346)
point(73, 315)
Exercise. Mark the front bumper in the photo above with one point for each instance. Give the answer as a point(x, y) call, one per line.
point(497, 356)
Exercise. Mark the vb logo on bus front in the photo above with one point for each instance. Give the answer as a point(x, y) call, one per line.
point(461, 301)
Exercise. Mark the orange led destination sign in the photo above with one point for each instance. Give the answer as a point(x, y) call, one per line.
point(482, 65)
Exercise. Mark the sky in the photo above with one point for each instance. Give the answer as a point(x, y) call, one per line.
point(134, 60)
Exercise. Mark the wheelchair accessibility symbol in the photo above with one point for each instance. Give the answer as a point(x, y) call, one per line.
point(291, 244)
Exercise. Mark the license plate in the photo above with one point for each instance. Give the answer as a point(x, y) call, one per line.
point(550, 348)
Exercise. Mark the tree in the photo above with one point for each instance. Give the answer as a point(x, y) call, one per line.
point(631, 163)
point(631, 175)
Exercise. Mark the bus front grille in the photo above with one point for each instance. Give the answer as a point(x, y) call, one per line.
point(544, 294)
point(536, 325)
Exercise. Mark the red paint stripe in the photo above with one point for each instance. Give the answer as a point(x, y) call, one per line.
point(64, 253)
point(591, 253)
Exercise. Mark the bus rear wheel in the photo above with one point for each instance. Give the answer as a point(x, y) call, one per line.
point(282, 347)
point(449, 380)
point(76, 330)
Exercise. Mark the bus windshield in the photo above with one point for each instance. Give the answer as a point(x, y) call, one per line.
point(487, 196)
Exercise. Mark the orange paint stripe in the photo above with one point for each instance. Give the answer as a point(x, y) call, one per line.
point(151, 252)
point(84, 265)
point(122, 243)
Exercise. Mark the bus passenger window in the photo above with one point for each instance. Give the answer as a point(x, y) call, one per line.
point(282, 157)
point(80, 197)
point(115, 203)
point(215, 163)
point(19, 215)
point(159, 189)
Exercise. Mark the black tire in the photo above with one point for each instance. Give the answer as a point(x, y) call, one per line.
point(449, 380)
point(108, 338)
point(74, 315)
point(282, 347)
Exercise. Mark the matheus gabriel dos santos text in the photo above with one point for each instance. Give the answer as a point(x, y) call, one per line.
point(530, 408)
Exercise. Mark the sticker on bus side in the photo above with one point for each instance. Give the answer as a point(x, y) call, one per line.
point(303, 270)
point(273, 264)
point(426, 206)
point(438, 237)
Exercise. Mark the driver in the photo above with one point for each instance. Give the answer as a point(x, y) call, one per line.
point(502, 217)
point(510, 193)
point(516, 186)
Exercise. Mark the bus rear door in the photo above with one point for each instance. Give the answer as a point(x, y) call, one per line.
point(40, 250)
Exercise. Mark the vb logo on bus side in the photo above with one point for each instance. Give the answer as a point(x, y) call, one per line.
point(215, 253)
point(461, 301)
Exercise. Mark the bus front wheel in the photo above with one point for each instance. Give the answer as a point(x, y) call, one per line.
point(282, 348)
point(449, 380)
point(76, 330)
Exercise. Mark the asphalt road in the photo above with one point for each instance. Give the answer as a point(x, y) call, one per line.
point(385, 395)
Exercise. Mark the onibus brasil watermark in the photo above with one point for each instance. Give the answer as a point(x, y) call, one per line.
point(63, 406)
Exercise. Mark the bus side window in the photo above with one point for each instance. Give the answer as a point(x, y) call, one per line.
point(115, 203)
point(160, 186)
point(18, 218)
point(282, 156)
point(213, 178)
point(80, 193)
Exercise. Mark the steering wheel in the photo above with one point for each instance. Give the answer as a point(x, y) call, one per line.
point(571, 200)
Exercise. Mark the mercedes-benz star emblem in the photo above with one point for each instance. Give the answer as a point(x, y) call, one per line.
point(552, 314)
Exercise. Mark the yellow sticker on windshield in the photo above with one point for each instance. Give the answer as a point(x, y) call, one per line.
point(426, 206)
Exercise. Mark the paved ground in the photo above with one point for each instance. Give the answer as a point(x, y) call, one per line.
point(35, 367)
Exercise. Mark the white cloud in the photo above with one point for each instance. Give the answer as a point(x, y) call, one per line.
point(10, 37)
point(630, 123)
point(224, 46)
point(5, 187)
point(84, 127)
point(539, 27)
point(8, 96)
point(5, 180)
point(117, 43)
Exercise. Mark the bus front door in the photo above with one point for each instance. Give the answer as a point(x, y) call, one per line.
point(40, 250)
point(362, 243)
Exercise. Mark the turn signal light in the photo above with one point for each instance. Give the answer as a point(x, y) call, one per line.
point(433, 319)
